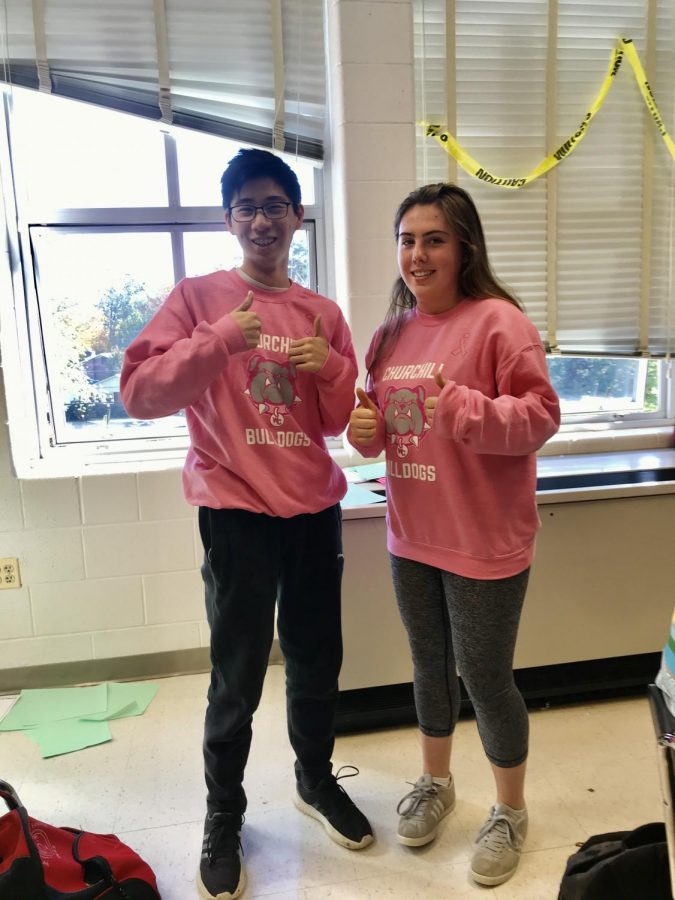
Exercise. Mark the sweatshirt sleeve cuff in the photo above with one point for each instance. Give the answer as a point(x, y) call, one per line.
point(230, 334)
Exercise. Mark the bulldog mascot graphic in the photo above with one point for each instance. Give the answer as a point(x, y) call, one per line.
point(271, 387)
point(404, 418)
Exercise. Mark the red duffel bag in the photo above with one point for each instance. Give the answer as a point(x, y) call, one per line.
point(42, 862)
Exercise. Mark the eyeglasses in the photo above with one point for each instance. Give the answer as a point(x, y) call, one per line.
point(246, 212)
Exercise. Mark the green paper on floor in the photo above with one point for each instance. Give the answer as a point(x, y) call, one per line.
point(69, 735)
point(128, 698)
point(37, 707)
point(61, 720)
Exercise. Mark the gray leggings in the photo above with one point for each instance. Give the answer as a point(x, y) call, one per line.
point(471, 625)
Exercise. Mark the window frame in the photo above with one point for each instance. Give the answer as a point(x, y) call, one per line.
point(47, 414)
point(35, 449)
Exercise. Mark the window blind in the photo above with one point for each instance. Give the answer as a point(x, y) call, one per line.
point(589, 246)
point(218, 66)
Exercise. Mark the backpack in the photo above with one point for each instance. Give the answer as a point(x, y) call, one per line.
point(622, 865)
point(42, 862)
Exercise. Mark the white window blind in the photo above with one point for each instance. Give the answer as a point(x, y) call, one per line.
point(219, 66)
point(589, 246)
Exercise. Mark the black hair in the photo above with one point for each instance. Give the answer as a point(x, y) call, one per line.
point(250, 164)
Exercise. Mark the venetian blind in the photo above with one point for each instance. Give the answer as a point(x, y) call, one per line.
point(589, 246)
point(244, 69)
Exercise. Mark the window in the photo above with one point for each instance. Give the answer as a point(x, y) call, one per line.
point(605, 388)
point(588, 247)
point(112, 212)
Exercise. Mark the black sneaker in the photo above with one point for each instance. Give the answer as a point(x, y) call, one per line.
point(329, 803)
point(221, 874)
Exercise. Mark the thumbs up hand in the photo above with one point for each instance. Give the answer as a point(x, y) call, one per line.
point(363, 420)
point(430, 402)
point(248, 321)
point(310, 353)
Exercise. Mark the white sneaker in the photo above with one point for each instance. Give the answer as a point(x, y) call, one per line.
point(422, 809)
point(498, 845)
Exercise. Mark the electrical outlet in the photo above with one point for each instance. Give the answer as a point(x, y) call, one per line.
point(9, 574)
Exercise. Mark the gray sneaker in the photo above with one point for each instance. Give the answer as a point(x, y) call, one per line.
point(498, 845)
point(422, 809)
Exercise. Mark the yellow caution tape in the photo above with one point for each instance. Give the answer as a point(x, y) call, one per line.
point(646, 91)
point(469, 164)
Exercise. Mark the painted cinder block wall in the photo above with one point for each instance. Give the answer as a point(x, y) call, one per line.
point(110, 563)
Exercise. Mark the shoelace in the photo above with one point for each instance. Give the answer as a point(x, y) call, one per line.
point(497, 834)
point(224, 836)
point(417, 800)
point(338, 776)
point(347, 774)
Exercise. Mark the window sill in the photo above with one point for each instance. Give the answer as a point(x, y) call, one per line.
point(593, 441)
point(635, 462)
point(602, 438)
point(71, 463)
point(571, 441)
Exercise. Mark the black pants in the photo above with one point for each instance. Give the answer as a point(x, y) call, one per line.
point(252, 562)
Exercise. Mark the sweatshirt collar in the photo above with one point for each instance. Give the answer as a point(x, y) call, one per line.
point(429, 320)
point(258, 285)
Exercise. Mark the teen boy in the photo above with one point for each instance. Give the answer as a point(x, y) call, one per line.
point(264, 369)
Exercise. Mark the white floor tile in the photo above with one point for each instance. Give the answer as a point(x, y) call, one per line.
point(538, 875)
point(173, 854)
point(592, 768)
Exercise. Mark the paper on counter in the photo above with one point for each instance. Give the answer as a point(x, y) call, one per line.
point(369, 471)
point(360, 496)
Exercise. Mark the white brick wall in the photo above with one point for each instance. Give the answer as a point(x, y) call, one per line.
point(109, 499)
point(109, 568)
point(372, 152)
point(110, 564)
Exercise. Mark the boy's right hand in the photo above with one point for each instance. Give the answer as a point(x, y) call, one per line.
point(248, 321)
point(363, 420)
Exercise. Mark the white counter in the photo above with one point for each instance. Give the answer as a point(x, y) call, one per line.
point(602, 584)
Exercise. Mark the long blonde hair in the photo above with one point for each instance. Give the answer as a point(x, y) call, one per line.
point(476, 278)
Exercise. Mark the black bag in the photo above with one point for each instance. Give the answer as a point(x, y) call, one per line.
point(622, 865)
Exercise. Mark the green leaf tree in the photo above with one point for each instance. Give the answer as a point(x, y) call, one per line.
point(124, 311)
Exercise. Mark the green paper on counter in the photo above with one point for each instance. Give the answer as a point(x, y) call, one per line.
point(370, 471)
point(40, 706)
point(359, 496)
point(56, 738)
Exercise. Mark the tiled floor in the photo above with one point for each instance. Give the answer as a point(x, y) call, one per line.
point(592, 768)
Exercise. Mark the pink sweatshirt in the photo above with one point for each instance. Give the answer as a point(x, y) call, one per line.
point(461, 493)
point(256, 424)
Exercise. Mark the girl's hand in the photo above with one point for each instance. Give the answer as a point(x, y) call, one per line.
point(363, 420)
point(430, 402)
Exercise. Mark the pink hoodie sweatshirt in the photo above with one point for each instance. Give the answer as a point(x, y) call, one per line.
point(256, 424)
point(461, 493)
